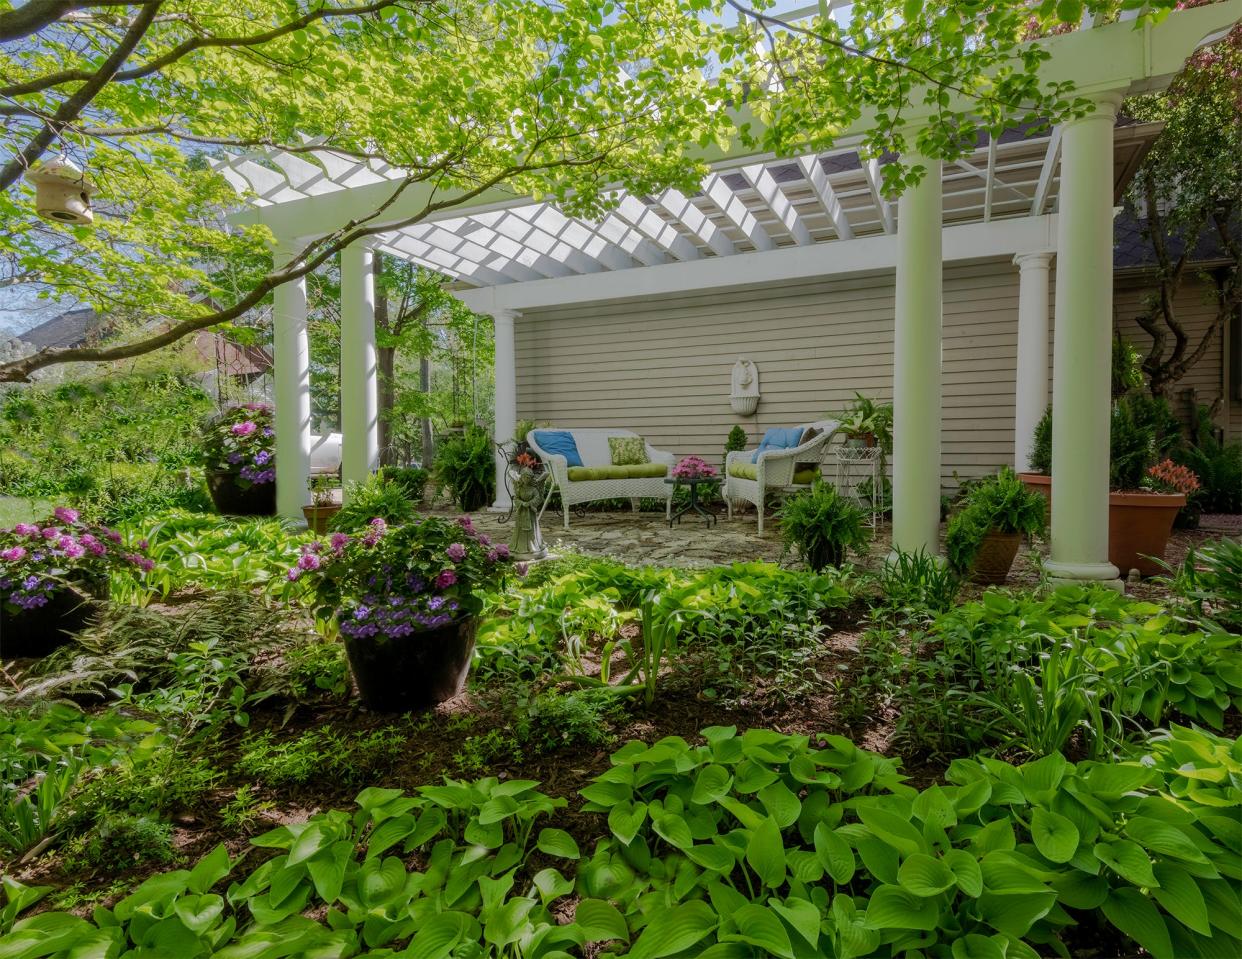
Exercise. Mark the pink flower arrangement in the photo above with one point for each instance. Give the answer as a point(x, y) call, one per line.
point(39, 559)
point(693, 467)
point(242, 441)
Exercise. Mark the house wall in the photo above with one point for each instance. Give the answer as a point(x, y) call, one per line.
point(663, 367)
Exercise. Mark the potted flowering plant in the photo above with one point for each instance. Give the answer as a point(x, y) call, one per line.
point(406, 600)
point(50, 573)
point(239, 451)
point(693, 467)
point(1169, 477)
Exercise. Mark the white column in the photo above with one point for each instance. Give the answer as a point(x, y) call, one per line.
point(1082, 350)
point(506, 397)
point(916, 365)
point(1031, 388)
point(291, 358)
point(359, 366)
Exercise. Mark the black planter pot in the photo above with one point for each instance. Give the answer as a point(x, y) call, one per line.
point(232, 499)
point(33, 633)
point(417, 672)
point(822, 555)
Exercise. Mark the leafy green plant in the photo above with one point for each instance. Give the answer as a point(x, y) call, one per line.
point(999, 503)
point(822, 525)
point(1218, 466)
point(348, 757)
point(915, 586)
point(120, 843)
point(465, 465)
point(411, 479)
point(1210, 578)
point(866, 419)
point(376, 497)
point(735, 442)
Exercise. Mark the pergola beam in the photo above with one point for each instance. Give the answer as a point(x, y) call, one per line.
point(813, 170)
point(871, 170)
point(681, 209)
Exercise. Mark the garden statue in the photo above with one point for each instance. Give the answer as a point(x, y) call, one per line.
point(744, 393)
point(530, 484)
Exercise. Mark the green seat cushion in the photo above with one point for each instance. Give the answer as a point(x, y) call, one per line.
point(750, 471)
point(636, 471)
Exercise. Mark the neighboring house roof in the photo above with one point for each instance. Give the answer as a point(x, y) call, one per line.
point(67, 330)
point(1132, 249)
point(232, 358)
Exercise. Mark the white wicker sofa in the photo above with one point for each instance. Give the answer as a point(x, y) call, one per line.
point(597, 478)
point(773, 469)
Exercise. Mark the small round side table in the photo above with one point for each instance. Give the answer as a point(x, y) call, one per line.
point(711, 482)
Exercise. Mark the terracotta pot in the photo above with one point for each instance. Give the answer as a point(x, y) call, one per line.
point(1040, 483)
point(33, 633)
point(995, 557)
point(318, 517)
point(417, 672)
point(232, 499)
point(1139, 525)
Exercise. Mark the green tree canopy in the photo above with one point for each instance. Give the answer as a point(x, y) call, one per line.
point(565, 101)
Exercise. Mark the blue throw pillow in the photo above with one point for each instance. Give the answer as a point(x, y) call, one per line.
point(560, 442)
point(778, 438)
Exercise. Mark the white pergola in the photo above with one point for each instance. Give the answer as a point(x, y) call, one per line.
point(766, 219)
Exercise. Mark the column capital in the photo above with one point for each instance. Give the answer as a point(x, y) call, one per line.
point(1033, 259)
point(1106, 102)
point(504, 314)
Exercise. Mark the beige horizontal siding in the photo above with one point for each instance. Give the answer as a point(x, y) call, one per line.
point(663, 368)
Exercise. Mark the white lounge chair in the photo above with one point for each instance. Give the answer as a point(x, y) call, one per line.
point(597, 478)
point(773, 469)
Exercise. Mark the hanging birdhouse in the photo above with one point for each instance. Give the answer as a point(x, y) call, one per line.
point(62, 191)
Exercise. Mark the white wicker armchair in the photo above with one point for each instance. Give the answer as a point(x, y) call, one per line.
point(593, 448)
point(774, 469)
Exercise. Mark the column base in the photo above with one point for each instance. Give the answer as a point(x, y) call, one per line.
point(1084, 574)
point(500, 506)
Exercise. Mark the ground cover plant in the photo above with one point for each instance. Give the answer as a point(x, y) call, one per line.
point(212, 708)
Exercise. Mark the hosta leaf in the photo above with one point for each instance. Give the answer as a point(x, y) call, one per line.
point(625, 819)
point(327, 869)
point(673, 830)
point(601, 921)
point(1055, 836)
point(711, 783)
point(892, 829)
point(1135, 915)
point(674, 929)
point(924, 876)
point(439, 936)
point(835, 854)
point(802, 916)
point(391, 832)
point(1014, 914)
point(765, 853)
point(761, 927)
point(209, 870)
point(975, 946)
point(509, 923)
point(379, 881)
point(711, 856)
point(557, 842)
point(781, 804)
point(966, 871)
point(891, 907)
point(1163, 838)
point(1128, 860)
point(1181, 897)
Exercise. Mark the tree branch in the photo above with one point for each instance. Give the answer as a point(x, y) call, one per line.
point(51, 80)
point(74, 104)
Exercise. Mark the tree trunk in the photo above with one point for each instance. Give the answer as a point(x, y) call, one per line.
point(385, 361)
point(424, 384)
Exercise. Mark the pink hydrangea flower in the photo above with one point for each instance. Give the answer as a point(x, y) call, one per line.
point(243, 429)
point(456, 552)
point(51, 532)
point(493, 555)
point(293, 574)
point(13, 554)
point(308, 561)
point(503, 551)
point(65, 514)
point(94, 546)
point(27, 529)
point(446, 579)
point(339, 541)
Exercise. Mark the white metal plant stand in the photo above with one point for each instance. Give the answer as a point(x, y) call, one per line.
point(860, 476)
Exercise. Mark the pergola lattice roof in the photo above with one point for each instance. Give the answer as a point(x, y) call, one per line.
point(760, 205)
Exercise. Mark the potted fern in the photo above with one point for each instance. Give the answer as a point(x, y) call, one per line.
point(984, 535)
point(466, 466)
point(822, 525)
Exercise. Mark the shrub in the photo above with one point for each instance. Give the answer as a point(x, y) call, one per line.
point(376, 497)
point(1041, 446)
point(1211, 579)
point(735, 442)
point(121, 842)
point(1218, 467)
point(411, 479)
point(999, 503)
point(822, 524)
point(465, 465)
